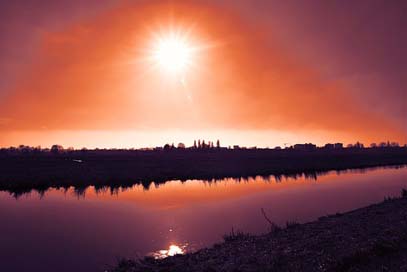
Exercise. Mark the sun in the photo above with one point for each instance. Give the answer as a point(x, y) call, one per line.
point(173, 53)
point(177, 51)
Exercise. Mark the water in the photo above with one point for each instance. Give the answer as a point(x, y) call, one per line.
point(87, 231)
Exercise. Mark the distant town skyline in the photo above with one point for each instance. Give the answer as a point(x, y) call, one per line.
point(134, 139)
point(217, 144)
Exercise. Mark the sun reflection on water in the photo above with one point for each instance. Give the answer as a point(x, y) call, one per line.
point(171, 251)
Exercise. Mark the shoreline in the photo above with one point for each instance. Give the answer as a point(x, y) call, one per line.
point(372, 238)
point(25, 172)
point(146, 186)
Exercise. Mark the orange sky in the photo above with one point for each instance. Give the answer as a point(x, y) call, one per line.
point(88, 83)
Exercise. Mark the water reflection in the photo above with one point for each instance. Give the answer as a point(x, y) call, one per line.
point(171, 251)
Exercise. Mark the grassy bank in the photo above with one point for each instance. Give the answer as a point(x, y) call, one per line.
point(23, 172)
point(373, 238)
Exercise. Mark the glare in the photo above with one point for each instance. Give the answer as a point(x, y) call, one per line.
point(171, 251)
point(177, 52)
point(173, 53)
point(174, 250)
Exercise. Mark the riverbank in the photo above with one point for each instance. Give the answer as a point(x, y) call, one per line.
point(373, 238)
point(20, 172)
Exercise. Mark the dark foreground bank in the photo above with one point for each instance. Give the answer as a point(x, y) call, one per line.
point(20, 172)
point(373, 238)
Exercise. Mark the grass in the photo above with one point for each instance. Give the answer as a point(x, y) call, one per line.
point(291, 224)
point(363, 257)
point(233, 236)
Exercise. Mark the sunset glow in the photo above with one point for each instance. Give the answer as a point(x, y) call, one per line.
point(197, 69)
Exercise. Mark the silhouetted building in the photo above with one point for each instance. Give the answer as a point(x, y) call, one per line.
point(334, 146)
point(329, 146)
point(308, 146)
point(338, 145)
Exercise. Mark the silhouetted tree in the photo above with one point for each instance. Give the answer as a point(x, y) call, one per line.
point(358, 145)
point(181, 145)
point(217, 144)
point(167, 147)
point(382, 144)
point(55, 149)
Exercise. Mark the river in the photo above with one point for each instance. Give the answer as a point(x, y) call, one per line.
point(88, 230)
